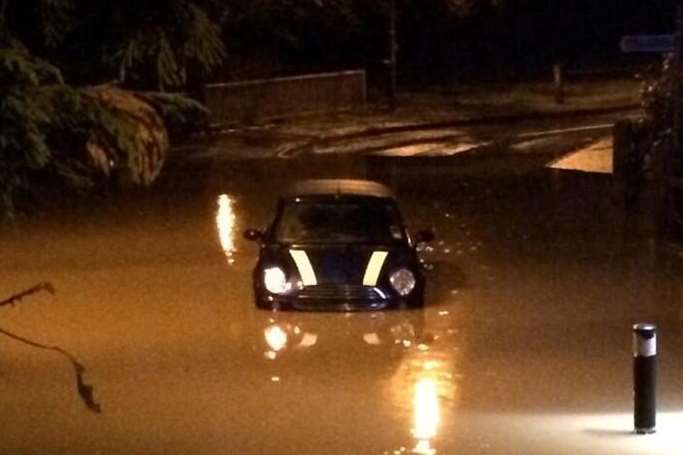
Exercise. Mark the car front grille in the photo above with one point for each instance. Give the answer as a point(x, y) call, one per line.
point(339, 291)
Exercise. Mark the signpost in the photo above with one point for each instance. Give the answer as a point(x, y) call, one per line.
point(661, 44)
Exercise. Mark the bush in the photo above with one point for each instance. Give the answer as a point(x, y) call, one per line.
point(657, 96)
point(56, 135)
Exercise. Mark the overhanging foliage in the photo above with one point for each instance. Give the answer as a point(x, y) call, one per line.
point(59, 136)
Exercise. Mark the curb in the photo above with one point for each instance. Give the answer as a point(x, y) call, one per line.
point(426, 126)
point(474, 121)
point(326, 140)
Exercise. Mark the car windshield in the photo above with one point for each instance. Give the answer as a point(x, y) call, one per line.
point(339, 221)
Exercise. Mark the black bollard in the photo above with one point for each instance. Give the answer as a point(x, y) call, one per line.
point(644, 377)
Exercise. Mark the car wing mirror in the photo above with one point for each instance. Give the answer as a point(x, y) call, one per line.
point(424, 236)
point(253, 234)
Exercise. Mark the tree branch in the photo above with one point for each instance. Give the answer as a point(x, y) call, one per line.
point(85, 391)
point(47, 287)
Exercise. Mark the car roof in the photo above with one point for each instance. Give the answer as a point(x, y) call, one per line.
point(338, 187)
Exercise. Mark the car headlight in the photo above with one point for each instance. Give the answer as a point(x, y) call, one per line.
point(275, 280)
point(403, 281)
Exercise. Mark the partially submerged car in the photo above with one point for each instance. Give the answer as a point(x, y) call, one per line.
point(337, 245)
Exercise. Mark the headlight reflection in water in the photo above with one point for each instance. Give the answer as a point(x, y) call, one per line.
point(280, 337)
point(276, 337)
point(425, 414)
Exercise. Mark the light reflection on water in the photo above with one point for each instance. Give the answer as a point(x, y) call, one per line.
point(426, 415)
point(225, 222)
point(276, 337)
point(423, 381)
point(282, 336)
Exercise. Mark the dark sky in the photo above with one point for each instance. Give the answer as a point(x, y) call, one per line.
point(524, 36)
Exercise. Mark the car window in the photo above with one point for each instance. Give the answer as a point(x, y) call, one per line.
point(335, 221)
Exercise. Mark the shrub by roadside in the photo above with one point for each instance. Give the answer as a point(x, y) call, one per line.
point(55, 137)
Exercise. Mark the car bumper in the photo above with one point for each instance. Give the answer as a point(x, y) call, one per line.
point(336, 304)
point(340, 297)
point(342, 306)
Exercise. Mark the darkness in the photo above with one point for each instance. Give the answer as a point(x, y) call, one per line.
point(519, 39)
point(527, 37)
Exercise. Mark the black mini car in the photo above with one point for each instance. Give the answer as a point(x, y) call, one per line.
point(337, 245)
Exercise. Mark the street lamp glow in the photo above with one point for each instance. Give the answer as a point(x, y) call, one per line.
point(225, 222)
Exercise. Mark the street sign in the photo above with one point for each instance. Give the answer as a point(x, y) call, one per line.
point(647, 43)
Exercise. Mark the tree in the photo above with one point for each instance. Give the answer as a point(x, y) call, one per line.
point(151, 44)
point(50, 21)
point(155, 43)
point(312, 35)
point(33, 103)
point(55, 135)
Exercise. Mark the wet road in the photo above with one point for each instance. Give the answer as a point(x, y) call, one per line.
point(524, 346)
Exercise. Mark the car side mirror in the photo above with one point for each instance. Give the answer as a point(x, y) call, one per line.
point(424, 236)
point(253, 234)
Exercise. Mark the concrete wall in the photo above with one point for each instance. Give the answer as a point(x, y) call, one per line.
point(248, 101)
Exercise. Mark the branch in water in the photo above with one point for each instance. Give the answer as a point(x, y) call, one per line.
point(47, 287)
point(84, 390)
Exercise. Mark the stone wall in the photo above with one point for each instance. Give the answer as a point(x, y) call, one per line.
point(256, 100)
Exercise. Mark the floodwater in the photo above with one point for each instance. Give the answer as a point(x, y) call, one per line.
point(524, 346)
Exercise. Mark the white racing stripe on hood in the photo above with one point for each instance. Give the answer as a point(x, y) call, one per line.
point(303, 264)
point(374, 268)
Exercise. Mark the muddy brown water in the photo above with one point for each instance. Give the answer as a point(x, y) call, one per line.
point(535, 278)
